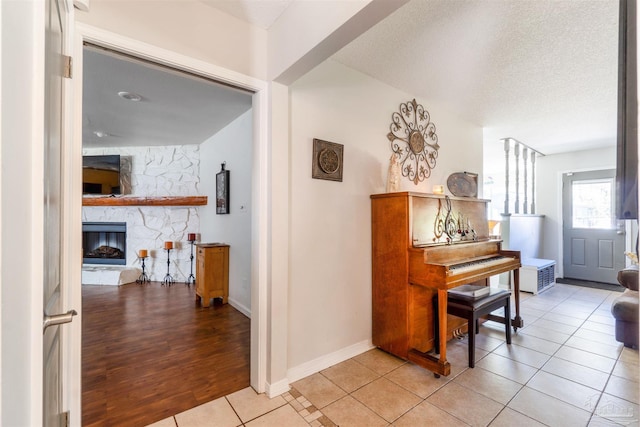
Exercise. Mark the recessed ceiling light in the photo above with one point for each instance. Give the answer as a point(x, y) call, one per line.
point(130, 96)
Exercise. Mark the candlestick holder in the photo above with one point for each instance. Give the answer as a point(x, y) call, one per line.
point(143, 277)
point(168, 279)
point(191, 279)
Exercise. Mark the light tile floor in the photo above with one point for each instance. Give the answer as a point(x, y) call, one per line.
point(563, 368)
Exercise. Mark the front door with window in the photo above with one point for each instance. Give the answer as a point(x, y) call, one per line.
point(592, 238)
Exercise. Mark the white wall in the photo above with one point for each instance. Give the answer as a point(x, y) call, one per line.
point(523, 233)
point(232, 145)
point(21, 193)
point(189, 27)
point(330, 262)
point(549, 172)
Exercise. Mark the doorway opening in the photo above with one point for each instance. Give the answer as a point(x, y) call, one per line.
point(122, 146)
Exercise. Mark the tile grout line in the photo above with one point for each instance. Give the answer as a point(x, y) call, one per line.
point(538, 370)
point(293, 395)
point(452, 379)
point(305, 409)
point(298, 404)
point(601, 393)
point(234, 410)
point(522, 386)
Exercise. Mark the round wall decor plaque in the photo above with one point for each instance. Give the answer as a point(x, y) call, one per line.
point(329, 160)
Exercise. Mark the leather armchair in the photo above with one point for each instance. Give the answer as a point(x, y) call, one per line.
point(625, 308)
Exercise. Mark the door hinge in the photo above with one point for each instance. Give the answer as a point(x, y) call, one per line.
point(68, 66)
point(64, 419)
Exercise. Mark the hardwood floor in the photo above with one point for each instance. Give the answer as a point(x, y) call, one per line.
point(149, 352)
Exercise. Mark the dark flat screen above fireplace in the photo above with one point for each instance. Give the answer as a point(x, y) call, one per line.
point(101, 174)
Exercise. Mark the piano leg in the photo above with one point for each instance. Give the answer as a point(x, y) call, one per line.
point(516, 322)
point(442, 324)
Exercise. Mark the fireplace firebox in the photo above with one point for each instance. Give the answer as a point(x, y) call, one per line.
point(104, 243)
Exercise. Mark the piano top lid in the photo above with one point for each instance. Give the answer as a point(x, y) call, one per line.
point(456, 243)
point(426, 195)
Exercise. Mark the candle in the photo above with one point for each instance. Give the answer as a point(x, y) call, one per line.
point(438, 189)
point(168, 245)
point(142, 253)
point(192, 237)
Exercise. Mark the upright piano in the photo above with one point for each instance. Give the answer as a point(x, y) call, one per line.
point(422, 246)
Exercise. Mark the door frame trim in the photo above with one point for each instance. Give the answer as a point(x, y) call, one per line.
point(261, 191)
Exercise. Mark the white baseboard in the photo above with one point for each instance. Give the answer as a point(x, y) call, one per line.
point(316, 365)
point(276, 389)
point(241, 308)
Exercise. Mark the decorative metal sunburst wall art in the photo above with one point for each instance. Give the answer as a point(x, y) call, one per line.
point(413, 139)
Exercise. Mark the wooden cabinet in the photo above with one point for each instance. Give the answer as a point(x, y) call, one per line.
point(212, 272)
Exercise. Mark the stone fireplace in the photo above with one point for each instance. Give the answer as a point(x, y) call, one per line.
point(156, 172)
point(104, 243)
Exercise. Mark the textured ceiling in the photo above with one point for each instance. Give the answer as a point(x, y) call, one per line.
point(543, 72)
point(175, 108)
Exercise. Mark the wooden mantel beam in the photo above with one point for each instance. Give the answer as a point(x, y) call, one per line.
point(144, 201)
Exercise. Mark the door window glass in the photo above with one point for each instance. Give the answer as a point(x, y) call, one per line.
point(593, 204)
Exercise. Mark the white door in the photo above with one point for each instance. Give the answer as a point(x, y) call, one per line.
point(54, 318)
point(593, 240)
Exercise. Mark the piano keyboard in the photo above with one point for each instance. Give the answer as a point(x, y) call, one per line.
point(486, 262)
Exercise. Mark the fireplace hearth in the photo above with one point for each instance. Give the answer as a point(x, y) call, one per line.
point(104, 243)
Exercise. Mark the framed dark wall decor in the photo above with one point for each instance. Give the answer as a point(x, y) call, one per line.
point(222, 191)
point(327, 160)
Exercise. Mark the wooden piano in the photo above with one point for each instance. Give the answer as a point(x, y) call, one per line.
point(423, 245)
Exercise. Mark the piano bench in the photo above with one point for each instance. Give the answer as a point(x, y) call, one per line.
point(473, 309)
